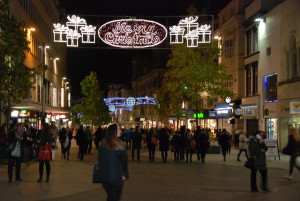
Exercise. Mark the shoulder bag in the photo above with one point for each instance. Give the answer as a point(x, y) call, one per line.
point(97, 178)
point(286, 150)
point(249, 163)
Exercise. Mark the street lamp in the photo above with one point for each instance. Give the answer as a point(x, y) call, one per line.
point(44, 82)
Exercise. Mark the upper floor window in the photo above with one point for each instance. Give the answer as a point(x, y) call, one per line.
point(270, 84)
point(228, 48)
point(251, 40)
point(292, 58)
point(251, 79)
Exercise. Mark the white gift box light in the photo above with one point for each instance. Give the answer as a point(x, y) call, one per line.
point(88, 34)
point(192, 39)
point(204, 34)
point(60, 32)
point(75, 22)
point(72, 38)
point(176, 34)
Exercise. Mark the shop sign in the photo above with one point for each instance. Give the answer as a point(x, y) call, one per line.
point(247, 111)
point(14, 113)
point(23, 113)
point(295, 107)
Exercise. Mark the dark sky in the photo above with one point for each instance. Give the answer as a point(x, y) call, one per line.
point(113, 65)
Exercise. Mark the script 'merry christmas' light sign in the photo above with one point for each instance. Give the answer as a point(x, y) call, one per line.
point(132, 33)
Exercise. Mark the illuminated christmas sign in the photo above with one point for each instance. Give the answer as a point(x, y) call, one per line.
point(118, 103)
point(189, 29)
point(132, 33)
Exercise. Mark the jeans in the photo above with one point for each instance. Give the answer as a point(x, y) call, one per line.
point(113, 191)
point(294, 155)
point(11, 161)
point(137, 152)
point(41, 168)
point(263, 174)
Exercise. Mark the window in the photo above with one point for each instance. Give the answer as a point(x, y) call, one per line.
point(252, 79)
point(248, 80)
point(251, 41)
point(228, 48)
point(292, 57)
point(270, 84)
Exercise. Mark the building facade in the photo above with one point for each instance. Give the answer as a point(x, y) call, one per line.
point(51, 93)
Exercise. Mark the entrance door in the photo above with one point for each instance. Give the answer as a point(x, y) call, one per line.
point(252, 126)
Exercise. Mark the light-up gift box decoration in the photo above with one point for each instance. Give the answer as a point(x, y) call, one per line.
point(88, 34)
point(176, 34)
point(60, 32)
point(191, 32)
point(72, 38)
point(204, 33)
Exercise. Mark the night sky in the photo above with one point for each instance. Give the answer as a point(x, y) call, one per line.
point(113, 65)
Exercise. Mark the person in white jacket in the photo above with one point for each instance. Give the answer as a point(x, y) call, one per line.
point(243, 145)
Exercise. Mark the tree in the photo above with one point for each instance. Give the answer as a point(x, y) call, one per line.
point(192, 72)
point(92, 108)
point(16, 79)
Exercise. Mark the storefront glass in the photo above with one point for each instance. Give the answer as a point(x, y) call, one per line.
point(271, 128)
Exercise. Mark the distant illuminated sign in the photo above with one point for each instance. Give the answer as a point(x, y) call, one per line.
point(189, 29)
point(132, 33)
point(23, 113)
point(14, 113)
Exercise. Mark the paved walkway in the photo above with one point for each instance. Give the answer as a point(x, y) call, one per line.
point(214, 180)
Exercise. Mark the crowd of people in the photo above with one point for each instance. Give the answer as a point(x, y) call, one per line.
point(182, 144)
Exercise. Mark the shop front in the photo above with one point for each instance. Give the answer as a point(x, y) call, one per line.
point(289, 115)
point(20, 115)
point(271, 121)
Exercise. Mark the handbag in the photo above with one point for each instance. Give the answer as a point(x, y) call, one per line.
point(286, 150)
point(153, 140)
point(249, 163)
point(97, 178)
point(45, 151)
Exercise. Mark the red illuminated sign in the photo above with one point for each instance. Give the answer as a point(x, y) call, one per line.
point(132, 33)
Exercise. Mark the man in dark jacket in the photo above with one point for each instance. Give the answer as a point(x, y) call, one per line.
point(82, 142)
point(136, 143)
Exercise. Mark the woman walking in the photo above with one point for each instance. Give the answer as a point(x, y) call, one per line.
point(151, 144)
point(45, 147)
point(294, 146)
point(164, 143)
point(113, 159)
point(66, 142)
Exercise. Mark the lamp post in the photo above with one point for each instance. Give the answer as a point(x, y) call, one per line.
point(44, 82)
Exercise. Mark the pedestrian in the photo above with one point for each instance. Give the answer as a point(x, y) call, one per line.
point(97, 136)
point(163, 139)
point(204, 144)
point(45, 151)
point(224, 143)
point(243, 145)
point(197, 140)
point(90, 139)
point(136, 143)
point(113, 159)
point(61, 136)
point(257, 149)
point(66, 143)
point(14, 140)
point(294, 147)
point(82, 142)
point(127, 135)
point(176, 146)
point(236, 138)
point(53, 130)
point(151, 144)
point(182, 142)
point(3, 141)
point(188, 145)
